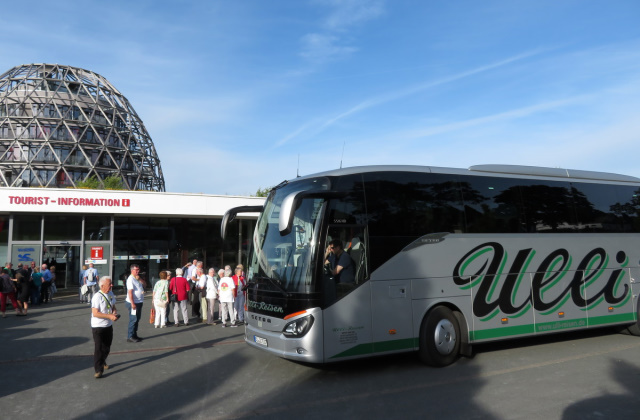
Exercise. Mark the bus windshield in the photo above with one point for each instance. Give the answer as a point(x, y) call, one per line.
point(287, 260)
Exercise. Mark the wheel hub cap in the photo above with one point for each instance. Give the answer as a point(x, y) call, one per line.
point(445, 337)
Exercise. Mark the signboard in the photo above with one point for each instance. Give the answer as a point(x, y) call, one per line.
point(97, 253)
point(25, 254)
point(95, 262)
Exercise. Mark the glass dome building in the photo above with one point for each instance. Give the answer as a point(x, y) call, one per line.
point(60, 125)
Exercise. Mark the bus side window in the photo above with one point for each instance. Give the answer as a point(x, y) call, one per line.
point(353, 242)
point(358, 257)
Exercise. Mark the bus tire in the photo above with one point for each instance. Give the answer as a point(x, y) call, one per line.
point(635, 328)
point(439, 338)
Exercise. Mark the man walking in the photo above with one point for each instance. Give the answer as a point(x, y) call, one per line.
point(90, 279)
point(103, 313)
point(46, 284)
point(133, 302)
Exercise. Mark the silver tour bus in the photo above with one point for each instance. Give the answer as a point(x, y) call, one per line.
point(439, 259)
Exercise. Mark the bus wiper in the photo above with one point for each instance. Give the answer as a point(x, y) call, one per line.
point(278, 286)
point(280, 185)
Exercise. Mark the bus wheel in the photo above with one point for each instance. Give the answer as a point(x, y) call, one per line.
point(439, 338)
point(635, 328)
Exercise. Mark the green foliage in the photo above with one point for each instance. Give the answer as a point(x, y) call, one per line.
point(263, 192)
point(90, 183)
point(113, 182)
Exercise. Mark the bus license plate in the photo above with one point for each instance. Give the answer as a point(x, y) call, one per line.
point(260, 340)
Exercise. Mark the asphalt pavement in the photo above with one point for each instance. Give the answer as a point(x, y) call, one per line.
point(208, 372)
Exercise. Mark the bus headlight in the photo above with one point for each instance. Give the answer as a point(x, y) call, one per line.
point(299, 327)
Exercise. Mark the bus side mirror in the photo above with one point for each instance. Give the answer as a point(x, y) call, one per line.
point(287, 210)
point(292, 202)
point(231, 214)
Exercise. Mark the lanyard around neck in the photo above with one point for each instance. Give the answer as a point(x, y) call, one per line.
point(106, 300)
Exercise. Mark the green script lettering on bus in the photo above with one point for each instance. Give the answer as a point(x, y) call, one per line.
point(264, 306)
point(491, 256)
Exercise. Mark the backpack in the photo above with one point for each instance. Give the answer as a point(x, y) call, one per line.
point(90, 276)
point(6, 285)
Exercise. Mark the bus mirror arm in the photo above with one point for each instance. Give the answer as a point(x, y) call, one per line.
point(231, 214)
point(293, 201)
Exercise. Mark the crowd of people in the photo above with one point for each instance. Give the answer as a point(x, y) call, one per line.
point(204, 291)
point(26, 285)
point(189, 286)
point(215, 297)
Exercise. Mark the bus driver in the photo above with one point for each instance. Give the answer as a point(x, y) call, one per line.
point(339, 262)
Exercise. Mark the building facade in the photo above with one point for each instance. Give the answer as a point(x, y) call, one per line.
point(114, 229)
point(60, 125)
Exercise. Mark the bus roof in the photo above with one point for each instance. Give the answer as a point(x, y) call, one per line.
point(498, 170)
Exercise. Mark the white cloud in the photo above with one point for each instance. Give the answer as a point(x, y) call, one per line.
point(318, 126)
point(333, 40)
point(347, 13)
point(320, 48)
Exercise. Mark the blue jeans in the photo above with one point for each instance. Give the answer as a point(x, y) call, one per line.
point(134, 320)
point(238, 305)
point(35, 295)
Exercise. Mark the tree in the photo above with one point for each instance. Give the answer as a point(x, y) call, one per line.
point(112, 182)
point(91, 183)
point(263, 192)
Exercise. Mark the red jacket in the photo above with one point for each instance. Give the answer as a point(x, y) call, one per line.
point(242, 282)
point(179, 286)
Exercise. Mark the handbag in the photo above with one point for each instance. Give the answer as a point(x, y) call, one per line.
point(173, 298)
point(159, 303)
point(152, 317)
point(84, 289)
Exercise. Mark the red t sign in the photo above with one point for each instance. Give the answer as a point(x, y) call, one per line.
point(96, 252)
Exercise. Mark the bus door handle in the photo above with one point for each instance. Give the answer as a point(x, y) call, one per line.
point(397, 291)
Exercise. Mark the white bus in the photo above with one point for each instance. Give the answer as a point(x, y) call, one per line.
point(441, 258)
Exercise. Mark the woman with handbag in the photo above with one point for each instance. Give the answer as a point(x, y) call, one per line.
point(161, 300)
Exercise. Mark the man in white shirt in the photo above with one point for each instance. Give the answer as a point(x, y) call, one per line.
point(103, 313)
point(133, 302)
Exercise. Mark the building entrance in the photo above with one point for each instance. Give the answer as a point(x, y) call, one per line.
point(66, 260)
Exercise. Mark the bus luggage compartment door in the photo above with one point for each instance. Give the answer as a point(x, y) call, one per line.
point(392, 317)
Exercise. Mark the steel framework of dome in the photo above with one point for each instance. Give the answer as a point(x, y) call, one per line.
point(60, 125)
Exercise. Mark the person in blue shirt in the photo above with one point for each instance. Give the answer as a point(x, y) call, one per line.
point(83, 298)
point(46, 284)
point(91, 280)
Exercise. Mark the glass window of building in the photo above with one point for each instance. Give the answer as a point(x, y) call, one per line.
point(139, 236)
point(97, 228)
point(195, 232)
point(121, 237)
point(160, 233)
point(214, 244)
point(62, 228)
point(4, 235)
point(26, 227)
point(177, 250)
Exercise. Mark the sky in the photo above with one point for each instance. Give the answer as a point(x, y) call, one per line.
point(241, 95)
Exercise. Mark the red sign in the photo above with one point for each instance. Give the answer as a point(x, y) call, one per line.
point(96, 252)
point(72, 202)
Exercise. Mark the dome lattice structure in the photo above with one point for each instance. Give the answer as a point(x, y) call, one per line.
point(60, 125)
